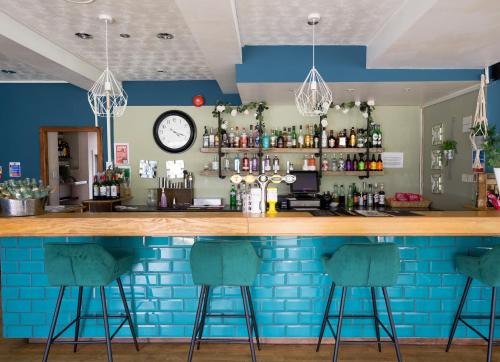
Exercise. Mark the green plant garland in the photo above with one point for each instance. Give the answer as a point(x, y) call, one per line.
point(366, 108)
point(223, 107)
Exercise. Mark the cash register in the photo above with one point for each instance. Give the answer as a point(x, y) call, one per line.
point(303, 192)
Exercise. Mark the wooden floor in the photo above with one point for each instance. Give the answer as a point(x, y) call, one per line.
point(20, 351)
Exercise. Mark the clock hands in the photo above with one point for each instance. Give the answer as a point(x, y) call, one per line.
point(177, 133)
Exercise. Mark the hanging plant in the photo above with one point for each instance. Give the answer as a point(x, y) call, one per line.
point(449, 148)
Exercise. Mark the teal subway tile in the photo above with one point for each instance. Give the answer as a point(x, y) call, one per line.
point(283, 241)
point(311, 266)
point(181, 266)
point(311, 292)
point(415, 266)
point(442, 241)
point(29, 242)
point(298, 331)
point(402, 305)
point(173, 305)
point(286, 266)
point(428, 305)
point(444, 318)
point(190, 305)
point(286, 292)
point(37, 254)
point(266, 267)
point(33, 319)
point(17, 254)
point(418, 241)
point(18, 280)
point(453, 279)
point(446, 266)
point(10, 267)
point(416, 292)
point(273, 331)
point(219, 304)
point(430, 253)
point(406, 279)
point(147, 331)
point(173, 253)
point(184, 292)
point(360, 292)
point(138, 267)
point(8, 242)
point(416, 318)
point(298, 305)
point(405, 331)
point(300, 253)
point(443, 292)
point(264, 318)
point(272, 280)
point(11, 318)
point(17, 306)
point(428, 279)
point(183, 318)
point(273, 253)
point(146, 279)
point(159, 318)
point(310, 318)
point(182, 241)
point(286, 318)
point(161, 266)
point(408, 253)
point(221, 330)
point(298, 279)
point(31, 267)
point(9, 292)
point(158, 241)
point(160, 292)
point(18, 331)
point(428, 331)
point(271, 305)
point(261, 292)
point(32, 293)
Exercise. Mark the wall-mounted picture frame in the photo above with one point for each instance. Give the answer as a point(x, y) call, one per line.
point(437, 183)
point(437, 134)
point(148, 168)
point(436, 160)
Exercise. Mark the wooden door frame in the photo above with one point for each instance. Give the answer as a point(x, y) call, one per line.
point(44, 155)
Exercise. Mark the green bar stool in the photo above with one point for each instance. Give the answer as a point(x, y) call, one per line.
point(362, 265)
point(86, 265)
point(486, 269)
point(224, 263)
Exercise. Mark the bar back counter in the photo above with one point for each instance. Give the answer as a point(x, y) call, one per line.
point(289, 293)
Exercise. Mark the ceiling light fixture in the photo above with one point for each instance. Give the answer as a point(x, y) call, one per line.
point(107, 96)
point(160, 71)
point(84, 36)
point(314, 97)
point(165, 36)
point(124, 35)
point(8, 71)
point(350, 90)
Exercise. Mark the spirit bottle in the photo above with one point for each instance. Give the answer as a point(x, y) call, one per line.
point(348, 163)
point(236, 138)
point(373, 164)
point(380, 164)
point(251, 138)
point(362, 198)
point(331, 140)
point(294, 137)
point(316, 137)
point(341, 163)
point(289, 138)
point(324, 163)
point(211, 138)
point(307, 138)
point(243, 139)
point(334, 163)
point(376, 195)
point(300, 139)
point(342, 139)
point(256, 138)
point(324, 138)
point(265, 140)
point(352, 138)
point(245, 163)
point(267, 164)
point(369, 197)
point(231, 137)
point(276, 164)
point(237, 164)
point(205, 138)
point(342, 196)
point(381, 196)
point(355, 163)
point(232, 197)
point(95, 187)
point(255, 163)
point(273, 139)
point(361, 163)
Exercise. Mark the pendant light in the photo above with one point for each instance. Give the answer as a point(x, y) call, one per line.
point(107, 96)
point(314, 97)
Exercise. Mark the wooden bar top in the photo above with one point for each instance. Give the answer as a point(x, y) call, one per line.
point(450, 223)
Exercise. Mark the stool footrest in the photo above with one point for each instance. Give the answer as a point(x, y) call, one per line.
point(222, 340)
point(222, 315)
point(360, 316)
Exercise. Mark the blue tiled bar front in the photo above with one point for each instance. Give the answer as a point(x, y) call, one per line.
point(289, 293)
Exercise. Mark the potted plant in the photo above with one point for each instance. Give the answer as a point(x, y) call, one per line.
point(449, 147)
point(491, 147)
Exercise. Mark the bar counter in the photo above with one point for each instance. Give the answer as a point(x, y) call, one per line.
point(428, 223)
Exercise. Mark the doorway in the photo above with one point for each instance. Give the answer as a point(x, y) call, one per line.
point(69, 159)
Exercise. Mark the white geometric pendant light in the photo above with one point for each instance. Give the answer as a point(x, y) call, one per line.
point(107, 97)
point(314, 97)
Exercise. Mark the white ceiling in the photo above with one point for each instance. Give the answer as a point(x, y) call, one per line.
point(284, 22)
point(384, 93)
point(23, 71)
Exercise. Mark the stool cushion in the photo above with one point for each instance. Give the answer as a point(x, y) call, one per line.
point(485, 268)
point(364, 265)
point(224, 263)
point(83, 264)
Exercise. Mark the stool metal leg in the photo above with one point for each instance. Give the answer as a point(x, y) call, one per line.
point(459, 312)
point(196, 323)
point(393, 327)
point(203, 316)
point(375, 314)
point(254, 319)
point(106, 324)
point(249, 325)
point(325, 317)
point(78, 313)
point(339, 325)
point(53, 324)
point(492, 323)
point(127, 313)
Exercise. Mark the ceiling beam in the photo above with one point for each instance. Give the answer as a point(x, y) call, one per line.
point(397, 25)
point(214, 26)
point(23, 44)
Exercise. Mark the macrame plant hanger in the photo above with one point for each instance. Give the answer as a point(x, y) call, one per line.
point(480, 123)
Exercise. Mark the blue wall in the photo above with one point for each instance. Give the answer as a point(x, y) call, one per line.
point(493, 111)
point(289, 293)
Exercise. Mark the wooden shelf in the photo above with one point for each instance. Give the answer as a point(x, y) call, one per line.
point(290, 150)
point(210, 173)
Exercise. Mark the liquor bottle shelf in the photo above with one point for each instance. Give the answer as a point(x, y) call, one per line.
point(290, 150)
point(211, 173)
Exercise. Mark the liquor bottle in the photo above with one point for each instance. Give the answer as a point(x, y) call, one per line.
point(342, 139)
point(362, 197)
point(300, 138)
point(334, 166)
point(102, 188)
point(307, 138)
point(237, 164)
point(255, 163)
point(244, 138)
point(311, 163)
point(95, 188)
point(355, 163)
point(284, 135)
point(251, 139)
point(211, 138)
point(373, 164)
point(381, 196)
point(316, 138)
point(361, 138)
point(216, 138)
point(342, 196)
point(231, 137)
point(108, 187)
point(227, 163)
point(113, 188)
point(225, 141)
point(324, 138)
point(352, 138)
point(348, 163)
point(289, 138)
point(379, 136)
point(236, 138)
point(272, 138)
point(305, 164)
point(267, 164)
point(245, 163)
point(265, 140)
point(324, 163)
point(362, 163)
point(280, 141)
point(257, 135)
point(276, 164)
point(294, 137)
point(205, 138)
point(118, 187)
point(380, 164)
point(335, 194)
point(215, 164)
point(232, 197)
point(376, 195)
point(369, 197)
point(331, 140)
point(355, 195)
point(349, 200)
point(341, 163)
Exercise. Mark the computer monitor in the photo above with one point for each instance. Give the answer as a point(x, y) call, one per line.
point(307, 182)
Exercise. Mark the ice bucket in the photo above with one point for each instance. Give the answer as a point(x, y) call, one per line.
point(28, 207)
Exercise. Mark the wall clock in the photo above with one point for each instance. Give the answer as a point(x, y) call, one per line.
point(174, 131)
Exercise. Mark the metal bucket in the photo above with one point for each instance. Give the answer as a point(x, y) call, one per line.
point(28, 207)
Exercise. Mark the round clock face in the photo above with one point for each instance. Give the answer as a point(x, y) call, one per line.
point(174, 131)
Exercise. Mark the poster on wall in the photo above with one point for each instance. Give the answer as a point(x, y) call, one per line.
point(481, 160)
point(393, 159)
point(148, 168)
point(121, 153)
point(14, 169)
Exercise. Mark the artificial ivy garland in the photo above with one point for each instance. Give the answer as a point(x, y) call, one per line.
point(223, 107)
point(366, 108)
